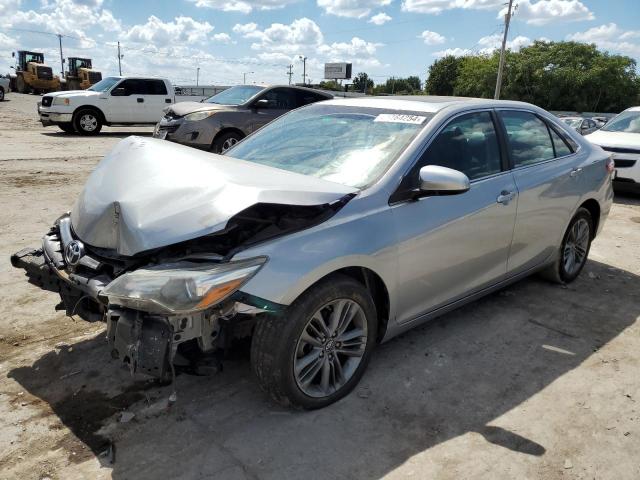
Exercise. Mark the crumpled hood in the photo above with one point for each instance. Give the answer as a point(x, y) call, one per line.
point(184, 108)
point(614, 139)
point(148, 193)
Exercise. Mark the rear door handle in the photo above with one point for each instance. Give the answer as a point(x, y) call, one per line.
point(167, 100)
point(505, 197)
point(140, 100)
point(575, 172)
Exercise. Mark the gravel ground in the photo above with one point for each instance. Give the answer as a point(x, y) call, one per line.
point(536, 381)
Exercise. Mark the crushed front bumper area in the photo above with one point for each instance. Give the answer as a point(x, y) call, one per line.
point(148, 343)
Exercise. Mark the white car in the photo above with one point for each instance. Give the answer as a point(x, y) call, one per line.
point(621, 137)
point(583, 126)
point(4, 86)
point(111, 101)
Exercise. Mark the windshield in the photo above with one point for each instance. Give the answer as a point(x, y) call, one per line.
point(628, 122)
point(34, 57)
point(353, 146)
point(235, 95)
point(572, 122)
point(104, 84)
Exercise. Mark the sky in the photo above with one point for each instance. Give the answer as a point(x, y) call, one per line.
point(227, 39)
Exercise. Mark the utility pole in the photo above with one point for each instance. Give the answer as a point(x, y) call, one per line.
point(290, 73)
point(244, 77)
point(61, 57)
point(507, 19)
point(197, 76)
point(119, 58)
point(304, 69)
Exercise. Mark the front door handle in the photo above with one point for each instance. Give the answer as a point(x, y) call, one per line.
point(140, 100)
point(505, 197)
point(575, 172)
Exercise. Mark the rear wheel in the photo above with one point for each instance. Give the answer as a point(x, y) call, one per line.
point(21, 85)
point(1, 94)
point(87, 122)
point(574, 250)
point(224, 142)
point(67, 127)
point(317, 352)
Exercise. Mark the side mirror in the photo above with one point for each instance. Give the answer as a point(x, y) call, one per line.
point(262, 103)
point(119, 92)
point(442, 180)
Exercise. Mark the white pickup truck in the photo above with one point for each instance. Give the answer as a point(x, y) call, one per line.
point(4, 86)
point(111, 101)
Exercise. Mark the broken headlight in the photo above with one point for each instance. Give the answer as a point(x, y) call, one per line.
point(197, 116)
point(179, 287)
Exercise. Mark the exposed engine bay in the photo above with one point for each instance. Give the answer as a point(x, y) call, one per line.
point(175, 304)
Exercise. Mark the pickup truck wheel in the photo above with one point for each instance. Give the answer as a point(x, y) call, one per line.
point(574, 250)
point(316, 353)
point(224, 142)
point(67, 127)
point(87, 122)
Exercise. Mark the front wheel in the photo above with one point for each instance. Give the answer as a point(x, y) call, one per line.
point(574, 250)
point(317, 352)
point(224, 142)
point(87, 122)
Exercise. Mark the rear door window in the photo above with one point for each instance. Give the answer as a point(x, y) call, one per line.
point(560, 144)
point(280, 99)
point(154, 87)
point(529, 140)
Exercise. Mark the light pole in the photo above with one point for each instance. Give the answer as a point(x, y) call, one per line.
point(244, 77)
point(197, 76)
point(304, 69)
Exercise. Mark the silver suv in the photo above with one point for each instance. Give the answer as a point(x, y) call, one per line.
point(333, 228)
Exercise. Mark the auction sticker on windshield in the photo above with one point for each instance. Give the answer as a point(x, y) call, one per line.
point(400, 118)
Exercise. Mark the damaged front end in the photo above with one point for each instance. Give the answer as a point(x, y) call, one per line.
point(149, 247)
point(178, 304)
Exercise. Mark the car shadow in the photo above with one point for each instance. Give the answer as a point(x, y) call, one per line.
point(126, 134)
point(627, 194)
point(455, 375)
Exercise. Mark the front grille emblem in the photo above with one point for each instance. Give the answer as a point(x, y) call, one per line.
point(73, 252)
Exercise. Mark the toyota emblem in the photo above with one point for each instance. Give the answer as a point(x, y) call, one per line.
point(73, 252)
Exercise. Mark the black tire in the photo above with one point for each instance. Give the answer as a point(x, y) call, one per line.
point(67, 127)
point(557, 272)
point(276, 341)
point(1, 94)
point(224, 141)
point(87, 122)
point(21, 85)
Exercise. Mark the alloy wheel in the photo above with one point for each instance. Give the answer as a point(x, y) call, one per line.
point(88, 122)
point(330, 348)
point(576, 246)
point(228, 143)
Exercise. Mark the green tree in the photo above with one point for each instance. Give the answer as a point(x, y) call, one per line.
point(442, 75)
point(400, 86)
point(331, 85)
point(362, 83)
point(553, 75)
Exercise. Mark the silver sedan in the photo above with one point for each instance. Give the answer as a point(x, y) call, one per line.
point(332, 229)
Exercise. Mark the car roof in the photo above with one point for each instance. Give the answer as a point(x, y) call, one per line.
point(422, 103)
point(633, 109)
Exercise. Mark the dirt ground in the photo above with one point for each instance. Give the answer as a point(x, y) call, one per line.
point(536, 381)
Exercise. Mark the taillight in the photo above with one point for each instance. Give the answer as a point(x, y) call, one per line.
point(610, 165)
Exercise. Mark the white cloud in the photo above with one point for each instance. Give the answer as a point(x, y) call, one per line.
point(246, 29)
point(300, 36)
point(380, 19)
point(543, 12)
point(221, 38)
point(535, 12)
point(611, 37)
point(456, 52)
point(437, 6)
point(493, 42)
point(432, 38)
point(351, 8)
point(159, 33)
point(242, 6)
